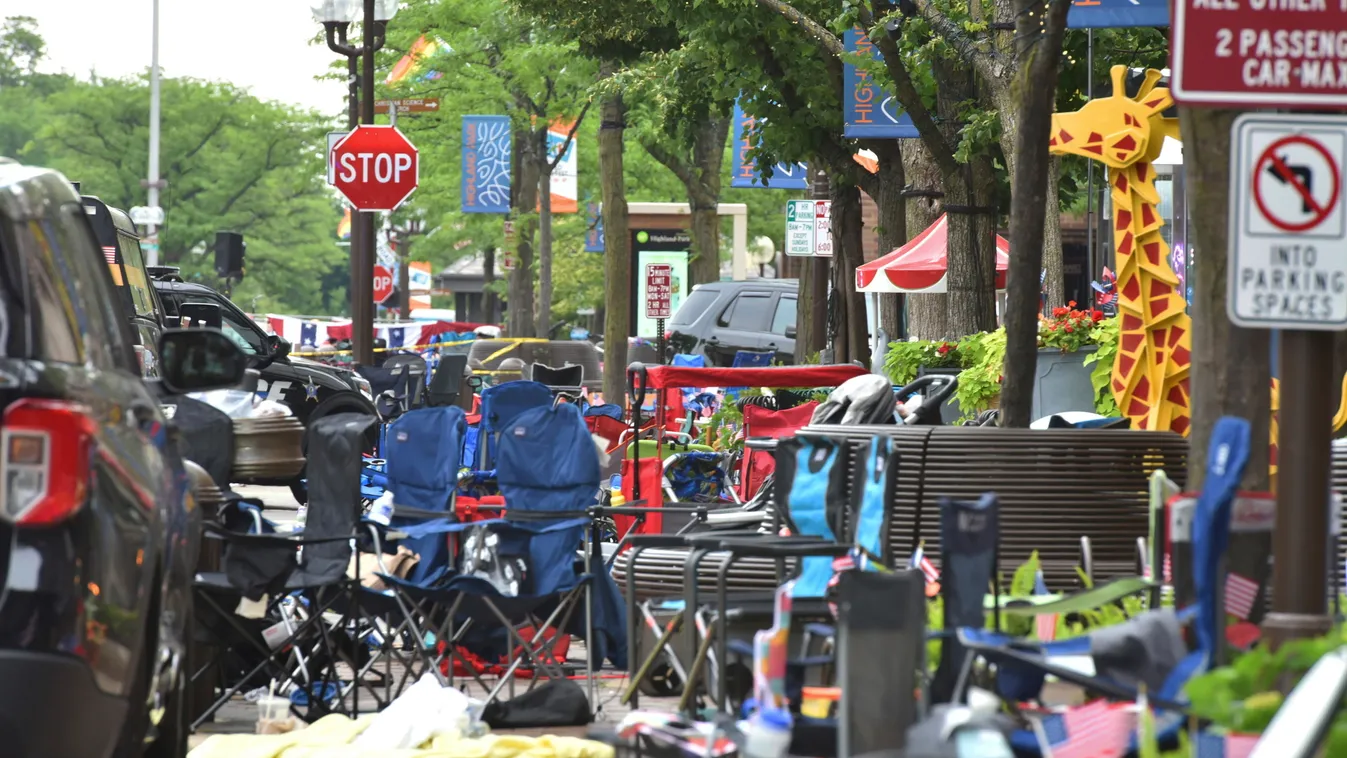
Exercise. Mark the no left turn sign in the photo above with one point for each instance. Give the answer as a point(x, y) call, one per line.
point(1297, 183)
point(1288, 222)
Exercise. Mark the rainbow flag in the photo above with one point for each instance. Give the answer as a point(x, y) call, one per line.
point(422, 48)
point(344, 226)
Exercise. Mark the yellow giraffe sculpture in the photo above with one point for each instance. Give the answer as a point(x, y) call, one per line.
point(1150, 374)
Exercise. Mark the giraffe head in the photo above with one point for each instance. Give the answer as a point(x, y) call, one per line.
point(1117, 130)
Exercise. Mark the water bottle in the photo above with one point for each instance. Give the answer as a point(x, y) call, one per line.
point(615, 497)
point(768, 734)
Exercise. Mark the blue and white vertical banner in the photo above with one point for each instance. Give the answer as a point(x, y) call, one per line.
point(745, 173)
point(1107, 14)
point(485, 186)
point(868, 111)
point(593, 228)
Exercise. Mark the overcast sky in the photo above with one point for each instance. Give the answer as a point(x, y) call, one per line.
point(261, 45)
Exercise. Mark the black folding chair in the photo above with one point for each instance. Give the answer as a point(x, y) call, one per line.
point(447, 385)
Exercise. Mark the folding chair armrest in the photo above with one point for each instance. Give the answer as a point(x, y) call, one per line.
point(291, 538)
point(776, 549)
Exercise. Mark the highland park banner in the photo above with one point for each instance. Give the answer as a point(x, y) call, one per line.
point(744, 174)
point(486, 164)
point(565, 185)
point(1106, 14)
point(867, 110)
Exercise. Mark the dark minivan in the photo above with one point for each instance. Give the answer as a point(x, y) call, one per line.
point(721, 318)
point(98, 527)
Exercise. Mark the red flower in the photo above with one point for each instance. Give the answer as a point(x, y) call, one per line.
point(943, 349)
point(1071, 303)
point(1059, 312)
point(1069, 330)
point(1097, 316)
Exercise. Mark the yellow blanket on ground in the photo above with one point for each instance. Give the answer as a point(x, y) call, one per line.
point(331, 737)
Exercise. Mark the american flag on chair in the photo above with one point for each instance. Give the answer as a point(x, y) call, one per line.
point(1240, 595)
point(920, 561)
point(110, 253)
point(1098, 730)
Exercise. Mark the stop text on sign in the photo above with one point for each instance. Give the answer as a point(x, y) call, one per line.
point(1260, 53)
point(374, 167)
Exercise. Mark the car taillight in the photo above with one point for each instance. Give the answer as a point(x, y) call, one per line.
point(44, 461)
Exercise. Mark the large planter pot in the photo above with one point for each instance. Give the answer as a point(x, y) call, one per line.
point(1062, 382)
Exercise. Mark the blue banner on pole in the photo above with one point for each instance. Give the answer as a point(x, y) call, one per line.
point(868, 111)
point(744, 174)
point(486, 164)
point(1107, 14)
point(594, 229)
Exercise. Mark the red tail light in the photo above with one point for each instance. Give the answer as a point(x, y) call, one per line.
point(44, 461)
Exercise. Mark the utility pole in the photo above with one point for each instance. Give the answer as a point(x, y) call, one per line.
point(152, 183)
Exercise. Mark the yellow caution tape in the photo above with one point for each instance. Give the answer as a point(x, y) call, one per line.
point(515, 342)
point(384, 349)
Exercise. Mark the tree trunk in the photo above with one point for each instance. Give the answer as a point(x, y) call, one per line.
point(1230, 372)
point(928, 318)
point(490, 301)
point(708, 158)
point(544, 323)
point(525, 202)
point(1033, 93)
point(1052, 237)
point(616, 243)
point(852, 343)
point(966, 290)
point(892, 229)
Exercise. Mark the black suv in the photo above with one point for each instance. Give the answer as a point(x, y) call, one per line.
point(311, 389)
point(98, 528)
point(721, 318)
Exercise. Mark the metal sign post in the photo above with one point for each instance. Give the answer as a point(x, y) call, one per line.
point(1288, 270)
point(658, 295)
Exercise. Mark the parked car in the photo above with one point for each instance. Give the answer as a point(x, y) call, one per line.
point(120, 246)
point(310, 389)
point(721, 318)
point(98, 529)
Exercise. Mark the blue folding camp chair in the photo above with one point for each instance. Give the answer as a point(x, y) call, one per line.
point(535, 562)
point(500, 403)
point(749, 359)
point(1164, 666)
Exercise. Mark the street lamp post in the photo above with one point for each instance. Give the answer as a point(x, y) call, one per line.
point(152, 183)
point(336, 17)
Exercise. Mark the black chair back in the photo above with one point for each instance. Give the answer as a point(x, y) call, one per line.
point(447, 384)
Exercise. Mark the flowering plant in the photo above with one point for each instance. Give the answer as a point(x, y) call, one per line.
point(904, 358)
point(1068, 329)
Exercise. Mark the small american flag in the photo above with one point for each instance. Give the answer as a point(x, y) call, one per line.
point(1098, 730)
point(1212, 745)
point(1240, 594)
point(920, 561)
point(1045, 624)
point(110, 253)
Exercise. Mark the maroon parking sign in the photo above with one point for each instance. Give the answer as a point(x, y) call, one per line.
point(1260, 53)
point(658, 290)
point(375, 167)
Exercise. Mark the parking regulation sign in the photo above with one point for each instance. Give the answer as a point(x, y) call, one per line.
point(1288, 222)
point(658, 290)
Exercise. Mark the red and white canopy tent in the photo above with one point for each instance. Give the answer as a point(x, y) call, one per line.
point(921, 265)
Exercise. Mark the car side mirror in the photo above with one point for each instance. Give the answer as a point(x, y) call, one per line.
point(790, 331)
point(197, 360)
point(279, 346)
point(197, 313)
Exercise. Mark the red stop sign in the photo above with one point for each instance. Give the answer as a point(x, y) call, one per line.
point(375, 167)
point(383, 283)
